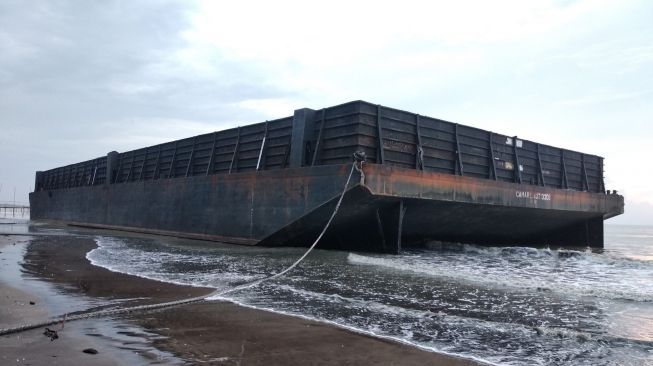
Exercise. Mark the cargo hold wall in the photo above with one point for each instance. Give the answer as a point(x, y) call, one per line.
point(399, 138)
point(388, 136)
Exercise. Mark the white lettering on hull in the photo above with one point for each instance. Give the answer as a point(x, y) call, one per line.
point(537, 196)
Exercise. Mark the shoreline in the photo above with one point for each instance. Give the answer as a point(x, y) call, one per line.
point(25, 301)
point(214, 332)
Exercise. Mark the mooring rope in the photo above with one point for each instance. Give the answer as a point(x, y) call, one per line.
point(108, 312)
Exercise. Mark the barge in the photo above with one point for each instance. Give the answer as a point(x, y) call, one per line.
point(276, 183)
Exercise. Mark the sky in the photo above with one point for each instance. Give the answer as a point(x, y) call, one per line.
point(81, 78)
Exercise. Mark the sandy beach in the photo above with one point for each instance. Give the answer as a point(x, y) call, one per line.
point(55, 275)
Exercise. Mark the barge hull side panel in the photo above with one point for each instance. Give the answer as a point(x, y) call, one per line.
point(243, 205)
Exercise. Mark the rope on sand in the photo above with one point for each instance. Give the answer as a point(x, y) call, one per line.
point(108, 312)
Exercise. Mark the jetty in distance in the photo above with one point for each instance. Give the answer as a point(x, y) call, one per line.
point(14, 209)
point(276, 183)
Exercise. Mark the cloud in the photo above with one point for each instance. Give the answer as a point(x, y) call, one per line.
point(636, 213)
point(603, 96)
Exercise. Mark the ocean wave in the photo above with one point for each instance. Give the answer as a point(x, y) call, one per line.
point(424, 328)
point(568, 272)
point(115, 255)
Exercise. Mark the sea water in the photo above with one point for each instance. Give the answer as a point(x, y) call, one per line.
point(14, 219)
point(500, 305)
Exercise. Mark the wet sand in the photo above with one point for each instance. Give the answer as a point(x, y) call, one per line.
point(213, 332)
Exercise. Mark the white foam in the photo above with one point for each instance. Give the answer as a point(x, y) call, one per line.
point(356, 330)
point(114, 255)
point(572, 273)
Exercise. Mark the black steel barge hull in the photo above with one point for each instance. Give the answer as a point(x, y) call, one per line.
point(391, 206)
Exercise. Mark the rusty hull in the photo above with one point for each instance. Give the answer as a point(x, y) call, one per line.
point(398, 205)
point(394, 207)
point(396, 182)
